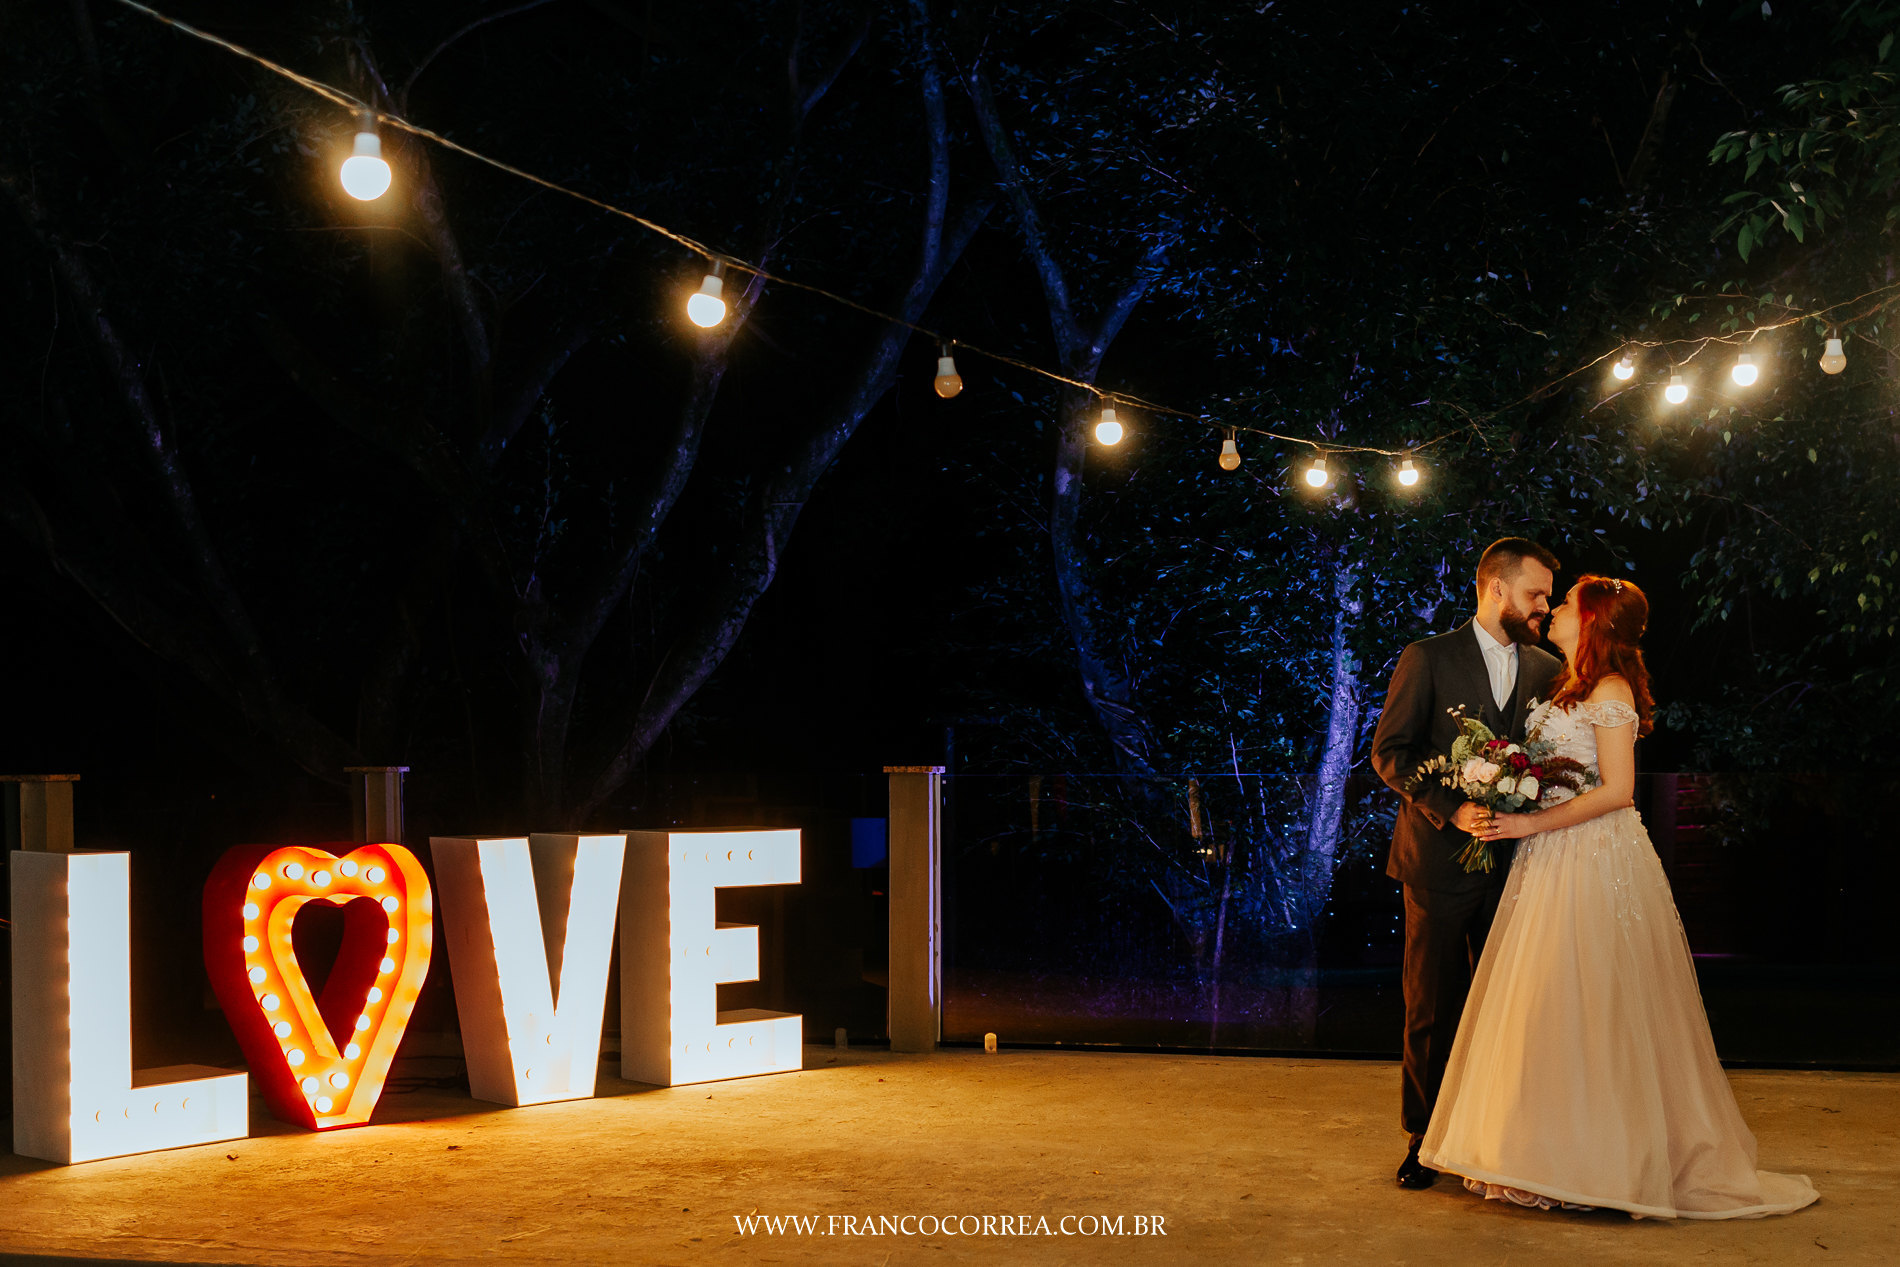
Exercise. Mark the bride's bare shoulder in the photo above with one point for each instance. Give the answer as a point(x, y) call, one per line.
point(1612, 686)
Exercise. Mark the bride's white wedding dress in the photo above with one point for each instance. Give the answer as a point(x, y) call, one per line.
point(1583, 1072)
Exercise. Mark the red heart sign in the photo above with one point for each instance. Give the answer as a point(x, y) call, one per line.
point(250, 904)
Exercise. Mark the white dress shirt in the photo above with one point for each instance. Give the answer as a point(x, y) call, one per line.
point(1500, 659)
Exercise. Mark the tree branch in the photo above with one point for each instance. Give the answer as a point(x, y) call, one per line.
point(1055, 288)
point(402, 97)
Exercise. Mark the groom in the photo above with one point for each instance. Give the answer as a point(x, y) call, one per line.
point(1492, 667)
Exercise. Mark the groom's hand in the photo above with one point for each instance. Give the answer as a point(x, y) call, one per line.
point(1470, 817)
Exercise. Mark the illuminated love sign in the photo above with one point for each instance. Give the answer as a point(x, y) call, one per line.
point(75, 1097)
point(529, 924)
point(307, 1074)
point(674, 955)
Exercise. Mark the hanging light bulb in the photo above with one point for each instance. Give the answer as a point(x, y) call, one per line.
point(1408, 474)
point(949, 382)
point(707, 306)
point(1677, 391)
point(1625, 368)
point(1316, 474)
point(1229, 453)
point(364, 174)
point(1834, 359)
point(1109, 429)
point(1745, 371)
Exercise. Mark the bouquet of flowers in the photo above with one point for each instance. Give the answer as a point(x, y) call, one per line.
point(1499, 775)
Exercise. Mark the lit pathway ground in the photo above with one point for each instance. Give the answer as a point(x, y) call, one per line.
point(1244, 1160)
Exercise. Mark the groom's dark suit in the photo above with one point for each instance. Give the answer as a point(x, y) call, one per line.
point(1447, 912)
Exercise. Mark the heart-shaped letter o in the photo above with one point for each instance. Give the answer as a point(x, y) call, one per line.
point(250, 903)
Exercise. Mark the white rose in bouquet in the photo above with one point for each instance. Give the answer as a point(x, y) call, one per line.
point(1527, 787)
point(1487, 770)
point(1507, 785)
point(1469, 770)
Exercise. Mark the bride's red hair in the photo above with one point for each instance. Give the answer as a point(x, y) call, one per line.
point(1611, 615)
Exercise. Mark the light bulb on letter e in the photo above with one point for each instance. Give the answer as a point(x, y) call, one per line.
point(674, 955)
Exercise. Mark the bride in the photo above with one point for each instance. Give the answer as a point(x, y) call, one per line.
point(1583, 1073)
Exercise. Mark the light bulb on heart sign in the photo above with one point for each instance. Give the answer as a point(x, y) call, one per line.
point(290, 1037)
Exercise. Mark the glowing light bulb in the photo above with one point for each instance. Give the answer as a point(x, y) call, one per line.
point(347, 867)
point(324, 1104)
point(391, 905)
point(706, 307)
point(392, 937)
point(339, 1080)
point(293, 871)
point(949, 382)
point(1109, 429)
point(250, 910)
point(352, 1052)
point(309, 1086)
point(260, 881)
point(375, 875)
point(1316, 474)
point(1745, 371)
point(1834, 359)
point(1625, 368)
point(1408, 474)
point(271, 1002)
point(281, 1029)
point(386, 967)
point(376, 994)
point(250, 944)
point(362, 1023)
point(294, 1057)
point(1229, 454)
point(365, 175)
point(321, 879)
point(1677, 391)
point(257, 976)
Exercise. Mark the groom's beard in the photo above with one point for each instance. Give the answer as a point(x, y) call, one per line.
point(1519, 627)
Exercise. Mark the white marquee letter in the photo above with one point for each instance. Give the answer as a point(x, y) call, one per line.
point(673, 956)
point(530, 927)
point(75, 1097)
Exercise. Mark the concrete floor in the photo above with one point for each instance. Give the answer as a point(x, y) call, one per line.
point(1246, 1160)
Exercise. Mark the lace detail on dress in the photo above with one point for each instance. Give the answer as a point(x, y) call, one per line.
point(1614, 845)
point(1609, 712)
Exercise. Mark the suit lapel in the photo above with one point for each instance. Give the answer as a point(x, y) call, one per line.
point(1469, 657)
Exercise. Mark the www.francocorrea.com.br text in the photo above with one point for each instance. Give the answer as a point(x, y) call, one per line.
point(950, 1225)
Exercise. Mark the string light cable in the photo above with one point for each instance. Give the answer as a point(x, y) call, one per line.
point(720, 262)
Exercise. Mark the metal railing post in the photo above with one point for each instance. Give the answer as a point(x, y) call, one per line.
point(915, 1018)
point(39, 811)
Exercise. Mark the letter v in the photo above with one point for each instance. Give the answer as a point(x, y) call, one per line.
point(530, 926)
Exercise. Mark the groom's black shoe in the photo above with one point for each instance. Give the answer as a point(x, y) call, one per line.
point(1414, 1173)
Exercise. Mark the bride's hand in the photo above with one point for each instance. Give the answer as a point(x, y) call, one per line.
point(1508, 827)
